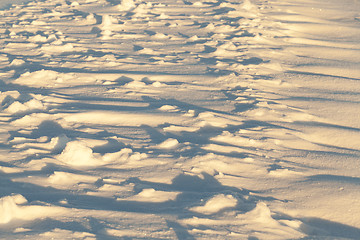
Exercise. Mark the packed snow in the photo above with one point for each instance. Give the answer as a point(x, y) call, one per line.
point(180, 119)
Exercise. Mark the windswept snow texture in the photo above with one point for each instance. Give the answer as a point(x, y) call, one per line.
point(180, 119)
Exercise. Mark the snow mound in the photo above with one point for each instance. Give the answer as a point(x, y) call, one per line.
point(247, 5)
point(38, 78)
point(58, 233)
point(13, 102)
point(67, 179)
point(17, 62)
point(24, 107)
point(59, 143)
point(216, 204)
point(51, 79)
point(13, 207)
point(9, 208)
point(126, 5)
point(107, 22)
point(168, 108)
point(169, 144)
point(152, 195)
point(262, 214)
point(79, 154)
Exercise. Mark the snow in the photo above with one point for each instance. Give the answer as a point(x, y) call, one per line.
point(6, 3)
point(216, 204)
point(133, 119)
point(14, 208)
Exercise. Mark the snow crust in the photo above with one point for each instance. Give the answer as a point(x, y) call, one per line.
point(132, 119)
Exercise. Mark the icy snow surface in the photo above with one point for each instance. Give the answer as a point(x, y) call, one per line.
point(180, 119)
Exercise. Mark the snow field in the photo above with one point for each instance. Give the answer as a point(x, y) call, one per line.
point(173, 119)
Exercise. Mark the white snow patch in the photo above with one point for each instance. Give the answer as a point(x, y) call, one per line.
point(126, 5)
point(79, 154)
point(15, 208)
point(58, 233)
point(50, 79)
point(248, 5)
point(169, 144)
point(68, 179)
point(123, 118)
point(17, 62)
point(152, 195)
point(168, 108)
point(32, 104)
point(216, 204)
